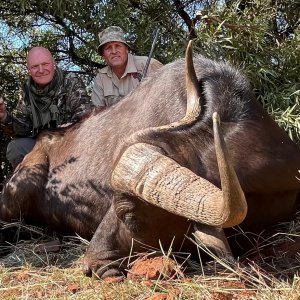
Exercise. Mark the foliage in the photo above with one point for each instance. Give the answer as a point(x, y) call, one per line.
point(263, 38)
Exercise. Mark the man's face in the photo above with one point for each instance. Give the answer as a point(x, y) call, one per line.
point(115, 54)
point(41, 66)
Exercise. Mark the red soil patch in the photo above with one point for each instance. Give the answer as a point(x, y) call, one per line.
point(154, 268)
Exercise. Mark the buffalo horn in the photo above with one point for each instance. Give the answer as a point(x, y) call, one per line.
point(144, 171)
point(192, 87)
point(232, 190)
point(193, 107)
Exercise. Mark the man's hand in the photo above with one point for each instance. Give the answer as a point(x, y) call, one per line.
point(3, 112)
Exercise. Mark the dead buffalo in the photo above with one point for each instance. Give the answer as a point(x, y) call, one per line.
point(155, 166)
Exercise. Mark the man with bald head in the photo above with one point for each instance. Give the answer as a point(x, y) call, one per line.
point(51, 97)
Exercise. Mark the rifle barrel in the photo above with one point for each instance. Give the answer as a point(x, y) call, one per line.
point(150, 55)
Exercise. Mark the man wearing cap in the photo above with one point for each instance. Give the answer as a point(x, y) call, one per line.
point(123, 71)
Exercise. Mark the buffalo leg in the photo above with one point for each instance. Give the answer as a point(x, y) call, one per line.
point(26, 185)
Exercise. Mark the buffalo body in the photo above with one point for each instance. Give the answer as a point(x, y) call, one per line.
point(66, 181)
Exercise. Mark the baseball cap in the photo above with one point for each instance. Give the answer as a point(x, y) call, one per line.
point(111, 34)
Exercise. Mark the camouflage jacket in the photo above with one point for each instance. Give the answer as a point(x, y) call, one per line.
point(70, 104)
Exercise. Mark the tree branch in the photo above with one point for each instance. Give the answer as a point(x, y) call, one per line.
point(186, 18)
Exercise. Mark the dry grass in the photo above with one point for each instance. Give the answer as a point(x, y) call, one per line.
point(27, 271)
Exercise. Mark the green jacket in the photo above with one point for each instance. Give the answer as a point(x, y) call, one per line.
point(67, 105)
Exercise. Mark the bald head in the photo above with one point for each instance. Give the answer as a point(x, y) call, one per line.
point(41, 65)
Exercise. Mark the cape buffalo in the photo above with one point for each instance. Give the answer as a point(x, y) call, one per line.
point(155, 166)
